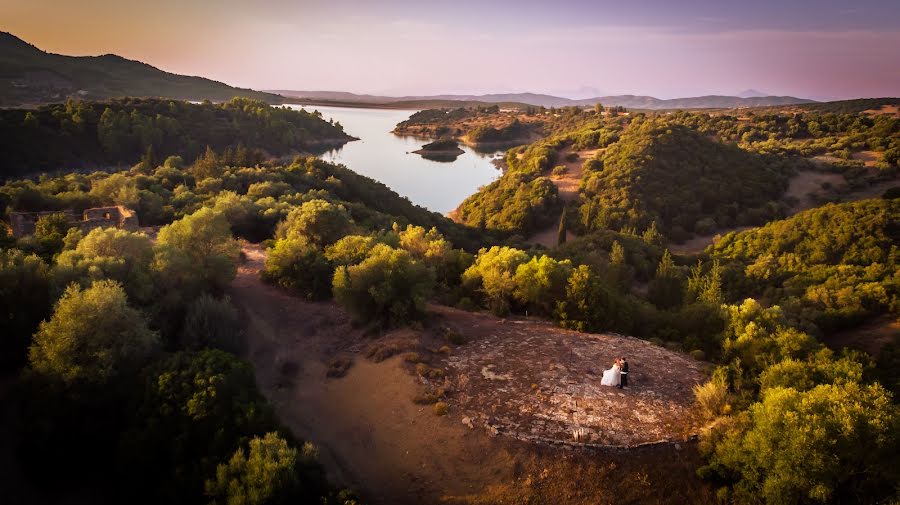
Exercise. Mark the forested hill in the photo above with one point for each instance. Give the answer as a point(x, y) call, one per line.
point(31, 76)
point(835, 265)
point(81, 134)
point(683, 180)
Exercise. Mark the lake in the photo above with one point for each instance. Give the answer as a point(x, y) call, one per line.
point(388, 158)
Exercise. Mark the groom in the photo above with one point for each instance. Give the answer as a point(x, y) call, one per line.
point(623, 374)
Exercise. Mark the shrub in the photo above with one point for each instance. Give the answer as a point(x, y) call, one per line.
point(559, 170)
point(712, 396)
point(212, 322)
point(338, 367)
point(298, 265)
point(388, 288)
point(93, 336)
point(440, 408)
point(321, 222)
point(492, 275)
point(698, 355)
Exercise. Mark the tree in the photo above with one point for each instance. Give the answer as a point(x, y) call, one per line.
point(196, 408)
point(540, 282)
point(295, 264)
point(197, 250)
point(492, 276)
point(25, 294)
point(213, 323)
point(49, 233)
point(590, 305)
point(388, 288)
point(267, 474)
point(831, 444)
point(561, 231)
point(666, 290)
point(92, 336)
point(108, 253)
point(321, 222)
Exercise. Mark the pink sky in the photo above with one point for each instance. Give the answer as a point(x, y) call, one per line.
point(822, 49)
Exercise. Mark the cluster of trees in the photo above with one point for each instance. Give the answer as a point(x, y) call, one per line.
point(90, 134)
point(830, 268)
point(129, 388)
point(839, 131)
point(685, 182)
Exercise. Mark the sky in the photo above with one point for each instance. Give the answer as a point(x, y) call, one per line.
point(822, 49)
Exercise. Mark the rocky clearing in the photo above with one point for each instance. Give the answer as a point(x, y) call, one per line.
point(373, 437)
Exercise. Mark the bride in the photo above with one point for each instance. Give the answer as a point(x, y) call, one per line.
point(612, 376)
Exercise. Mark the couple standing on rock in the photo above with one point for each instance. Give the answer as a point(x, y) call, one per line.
point(617, 375)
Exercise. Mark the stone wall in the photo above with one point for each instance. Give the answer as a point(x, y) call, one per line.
point(22, 223)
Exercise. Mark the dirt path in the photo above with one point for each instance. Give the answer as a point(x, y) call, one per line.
point(567, 184)
point(374, 438)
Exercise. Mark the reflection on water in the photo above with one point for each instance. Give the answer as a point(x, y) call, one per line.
point(383, 156)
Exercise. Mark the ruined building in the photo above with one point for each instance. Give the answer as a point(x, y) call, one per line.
point(22, 223)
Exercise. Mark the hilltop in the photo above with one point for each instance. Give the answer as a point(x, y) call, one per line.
point(31, 76)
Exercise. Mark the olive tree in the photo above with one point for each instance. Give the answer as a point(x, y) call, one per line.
point(93, 335)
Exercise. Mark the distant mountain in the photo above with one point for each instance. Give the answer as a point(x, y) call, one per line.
point(30, 76)
point(627, 101)
point(752, 93)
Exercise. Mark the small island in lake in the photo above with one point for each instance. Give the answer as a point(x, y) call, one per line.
point(440, 150)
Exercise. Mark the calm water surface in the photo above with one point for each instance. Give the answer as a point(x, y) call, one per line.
point(385, 157)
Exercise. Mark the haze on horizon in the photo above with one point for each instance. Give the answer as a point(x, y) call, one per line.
point(821, 49)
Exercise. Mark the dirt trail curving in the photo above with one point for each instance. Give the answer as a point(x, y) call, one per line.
point(374, 438)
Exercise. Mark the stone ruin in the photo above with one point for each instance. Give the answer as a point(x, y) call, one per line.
point(22, 223)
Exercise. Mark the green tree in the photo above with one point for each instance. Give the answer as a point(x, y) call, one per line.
point(195, 410)
point(25, 294)
point(561, 231)
point(295, 264)
point(93, 336)
point(267, 474)
point(321, 222)
point(108, 253)
point(389, 287)
point(666, 290)
point(831, 444)
point(491, 277)
point(540, 282)
point(197, 250)
point(590, 304)
point(212, 322)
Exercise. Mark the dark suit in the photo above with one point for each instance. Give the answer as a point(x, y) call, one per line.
point(623, 374)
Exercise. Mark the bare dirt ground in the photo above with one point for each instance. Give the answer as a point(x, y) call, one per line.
point(893, 110)
point(567, 184)
point(533, 381)
point(870, 337)
point(807, 185)
point(374, 438)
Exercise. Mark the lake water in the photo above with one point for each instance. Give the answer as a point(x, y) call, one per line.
point(388, 158)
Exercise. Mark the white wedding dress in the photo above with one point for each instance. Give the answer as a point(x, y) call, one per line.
point(611, 377)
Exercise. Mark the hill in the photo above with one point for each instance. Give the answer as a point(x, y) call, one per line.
point(682, 180)
point(30, 76)
point(834, 265)
point(628, 101)
point(90, 134)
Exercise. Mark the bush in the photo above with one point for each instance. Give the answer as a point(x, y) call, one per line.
point(388, 288)
point(322, 223)
point(559, 170)
point(269, 473)
point(712, 396)
point(809, 447)
point(440, 408)
point(213, 323)
point(93, 336)
point(296, 264)
point(698, 355)
point(492, 276)
point(25, 298)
